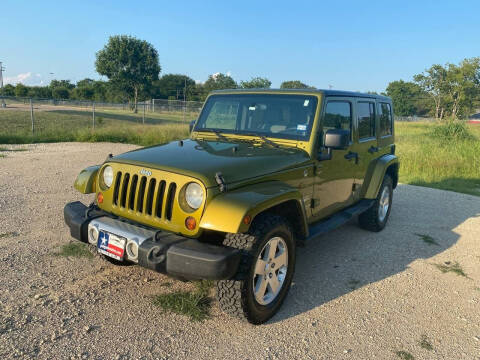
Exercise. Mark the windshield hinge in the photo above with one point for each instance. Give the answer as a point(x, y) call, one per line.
point(221, 182)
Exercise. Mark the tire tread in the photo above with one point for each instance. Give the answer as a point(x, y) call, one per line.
point(369, 219)
point(230, 293)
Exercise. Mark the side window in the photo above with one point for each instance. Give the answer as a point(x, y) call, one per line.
point(386, 119)
point(338, 115)
point(366, 120)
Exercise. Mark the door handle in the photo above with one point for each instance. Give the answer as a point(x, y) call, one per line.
point(352, 155)
point(373, 149)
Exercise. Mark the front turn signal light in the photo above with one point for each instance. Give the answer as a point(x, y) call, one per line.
point(100, 198)
point(190, 223)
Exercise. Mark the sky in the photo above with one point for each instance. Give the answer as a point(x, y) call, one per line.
point(346, 45)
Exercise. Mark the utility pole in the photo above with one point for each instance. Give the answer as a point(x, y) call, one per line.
point(93, 114)
point(32, 118)
point(2, 69)
point(185, 99)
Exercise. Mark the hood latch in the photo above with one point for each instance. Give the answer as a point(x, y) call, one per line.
point(221, 182)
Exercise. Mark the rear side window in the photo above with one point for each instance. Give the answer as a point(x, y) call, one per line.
point(338, 115)
point(366, 120)
point(385, 119)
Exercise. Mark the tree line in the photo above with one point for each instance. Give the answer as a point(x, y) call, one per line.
point(441, 91)
point(133, 69)
point(169, 86)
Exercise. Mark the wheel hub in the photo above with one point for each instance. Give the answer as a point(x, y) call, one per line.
point(384, 204)
point(270, 270)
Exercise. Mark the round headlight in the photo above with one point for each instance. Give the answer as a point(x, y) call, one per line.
point(108, 176)
point(194, 195)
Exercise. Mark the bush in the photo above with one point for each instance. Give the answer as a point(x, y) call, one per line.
point(452, 130)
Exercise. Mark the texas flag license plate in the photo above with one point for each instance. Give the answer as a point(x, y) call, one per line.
point(111, 245)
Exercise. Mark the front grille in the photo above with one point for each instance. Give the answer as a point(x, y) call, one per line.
point(144, 195)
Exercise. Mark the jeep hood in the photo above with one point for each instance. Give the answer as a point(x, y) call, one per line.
point(202, 159)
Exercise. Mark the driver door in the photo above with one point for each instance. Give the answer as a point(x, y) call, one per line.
point(334, 178)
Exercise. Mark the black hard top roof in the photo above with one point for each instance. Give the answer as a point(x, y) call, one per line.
point(313, 91)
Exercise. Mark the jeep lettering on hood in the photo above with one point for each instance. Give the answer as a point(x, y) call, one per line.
point(237, 161)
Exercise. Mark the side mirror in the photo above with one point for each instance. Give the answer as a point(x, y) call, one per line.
point(337, 139)
point(191, 125)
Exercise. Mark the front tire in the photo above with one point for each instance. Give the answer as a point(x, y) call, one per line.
point(265, 273)
point(375, 218)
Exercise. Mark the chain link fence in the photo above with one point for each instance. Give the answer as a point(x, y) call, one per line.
point(42, 118)
point(414, 118)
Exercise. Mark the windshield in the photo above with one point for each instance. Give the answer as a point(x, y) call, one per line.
point(277, 116)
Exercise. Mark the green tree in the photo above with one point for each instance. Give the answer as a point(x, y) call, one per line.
point(60, 93)
point(21, 90)
point(173, 85)
point(131, 64)
point(463, 86)
point(256, 83)
point(8, 90)
point(453, 88)
point(407, 98)
point(62, 83)
point(84, 90)
point(87, 82)
point(83, 93)
point(434, 81)
point(101, 91)
point(198, 93)
point(40, 92)
point(219, 81)
point(295, 84)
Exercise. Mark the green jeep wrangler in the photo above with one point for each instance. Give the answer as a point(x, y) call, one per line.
point(264, 171)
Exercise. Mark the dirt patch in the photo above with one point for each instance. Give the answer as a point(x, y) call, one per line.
point(356, 294)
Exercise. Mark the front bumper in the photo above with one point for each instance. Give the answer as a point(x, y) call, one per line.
point(157, 250)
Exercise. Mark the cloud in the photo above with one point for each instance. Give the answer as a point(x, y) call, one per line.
point(25, 78)
point(228, 73)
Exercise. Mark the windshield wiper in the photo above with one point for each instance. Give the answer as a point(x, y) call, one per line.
point(216, 132)
point(263, 137)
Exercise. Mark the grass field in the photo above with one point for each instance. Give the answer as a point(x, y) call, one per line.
point(428, 161)
point(77, 125)
point(425, 160)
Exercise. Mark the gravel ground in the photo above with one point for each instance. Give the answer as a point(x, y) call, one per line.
point(356, 295)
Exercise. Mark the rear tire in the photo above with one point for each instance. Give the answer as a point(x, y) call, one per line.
point(375, 218)
point(265, 273)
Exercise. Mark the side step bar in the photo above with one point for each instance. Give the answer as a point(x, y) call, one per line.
point(323, 226)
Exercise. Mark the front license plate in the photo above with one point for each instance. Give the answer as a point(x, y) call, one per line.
point(111, 245)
